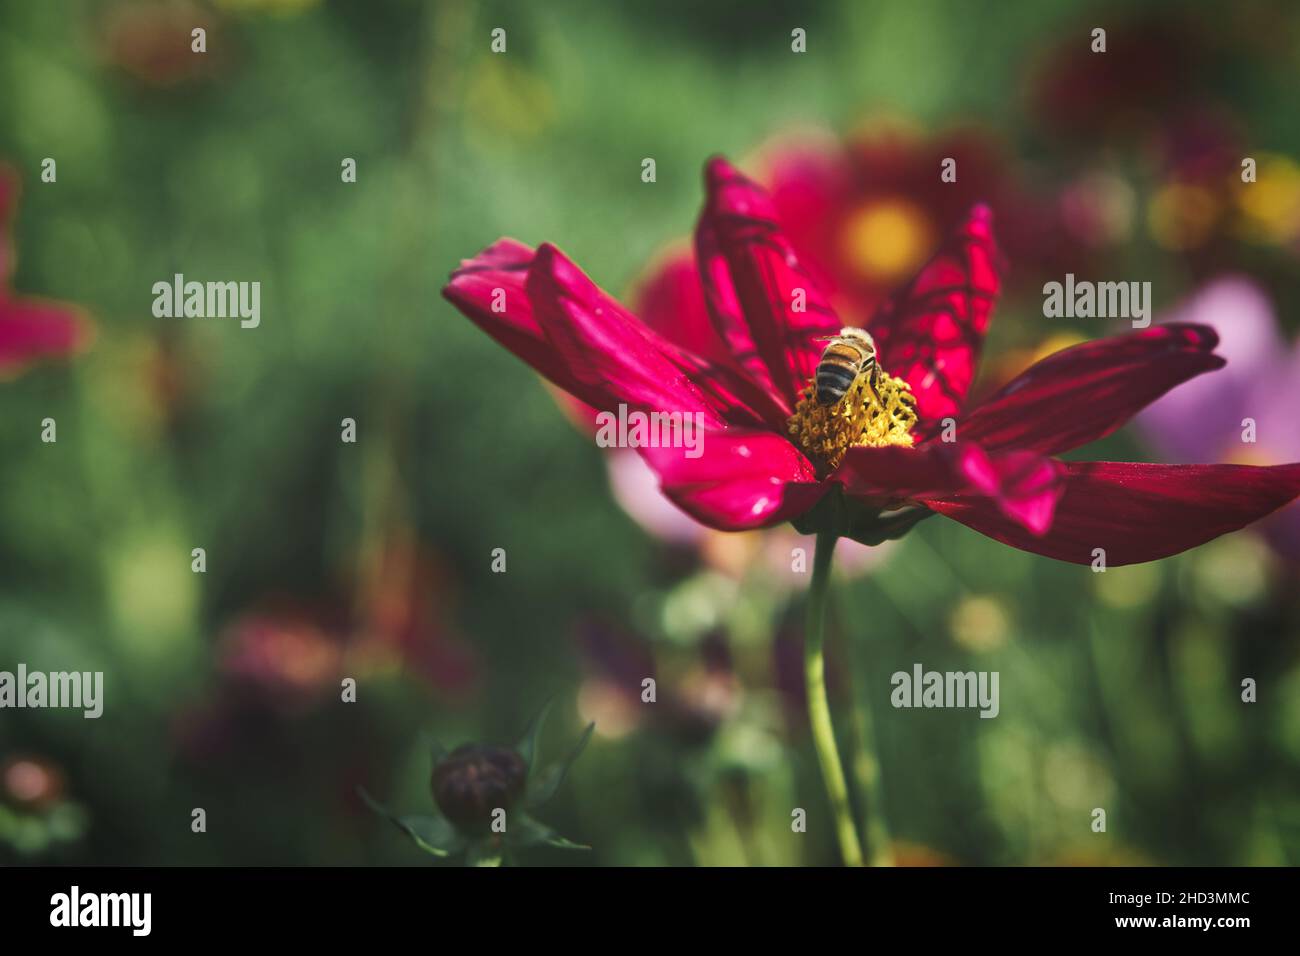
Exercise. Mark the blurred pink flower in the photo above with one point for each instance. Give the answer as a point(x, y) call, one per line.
point(703, 694)
point(31, 329)
point(30, 783)
point(636, 488)
point(286, 656)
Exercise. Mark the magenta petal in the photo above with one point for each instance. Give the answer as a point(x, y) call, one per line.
point(489, 289)
point(1025, 486)
point(1084, 393)
point(930, 333)
point(670, 299)
point(1021, 485)
point(32, 329)
point(609, 350)
point(1136, 511)
point(743, 479)
point(604, 347)
point(766, 306)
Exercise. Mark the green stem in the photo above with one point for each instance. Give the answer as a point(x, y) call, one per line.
point(864, 765)
point(819, 709)
point(866, 771)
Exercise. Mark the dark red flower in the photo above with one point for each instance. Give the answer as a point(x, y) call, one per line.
point(476, 780)
point(991, 467)
point(1153, 67)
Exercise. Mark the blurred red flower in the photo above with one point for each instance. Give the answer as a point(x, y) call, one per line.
point(152, 42)
point(404, 604)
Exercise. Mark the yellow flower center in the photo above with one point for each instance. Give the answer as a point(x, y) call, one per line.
point(884, 241)
point(883, 415)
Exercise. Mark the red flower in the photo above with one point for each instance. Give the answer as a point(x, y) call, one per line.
point(769, 455)
point(30, 329)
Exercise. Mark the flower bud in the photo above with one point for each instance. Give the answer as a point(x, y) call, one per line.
point(475, 780)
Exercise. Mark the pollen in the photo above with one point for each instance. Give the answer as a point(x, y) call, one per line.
point(872, 416)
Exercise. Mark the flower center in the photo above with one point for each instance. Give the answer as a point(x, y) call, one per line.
point(871, 415)
point(884, 241)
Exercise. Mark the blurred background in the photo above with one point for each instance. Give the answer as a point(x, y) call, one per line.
point(372, 560)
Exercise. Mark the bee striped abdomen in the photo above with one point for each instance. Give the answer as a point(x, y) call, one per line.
point(840, 364)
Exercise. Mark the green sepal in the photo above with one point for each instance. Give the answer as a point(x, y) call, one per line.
point(544, 785)
point(523, 832)
point(563, 843)
point(432, 834)
point(847, 517)
point(527, 746)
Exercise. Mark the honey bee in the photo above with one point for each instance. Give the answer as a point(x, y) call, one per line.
point(848, 355)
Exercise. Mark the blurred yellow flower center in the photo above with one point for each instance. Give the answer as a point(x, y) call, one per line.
point(883, 415)
point(1271, 204)
point(886, 240)
point(1181, 216)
